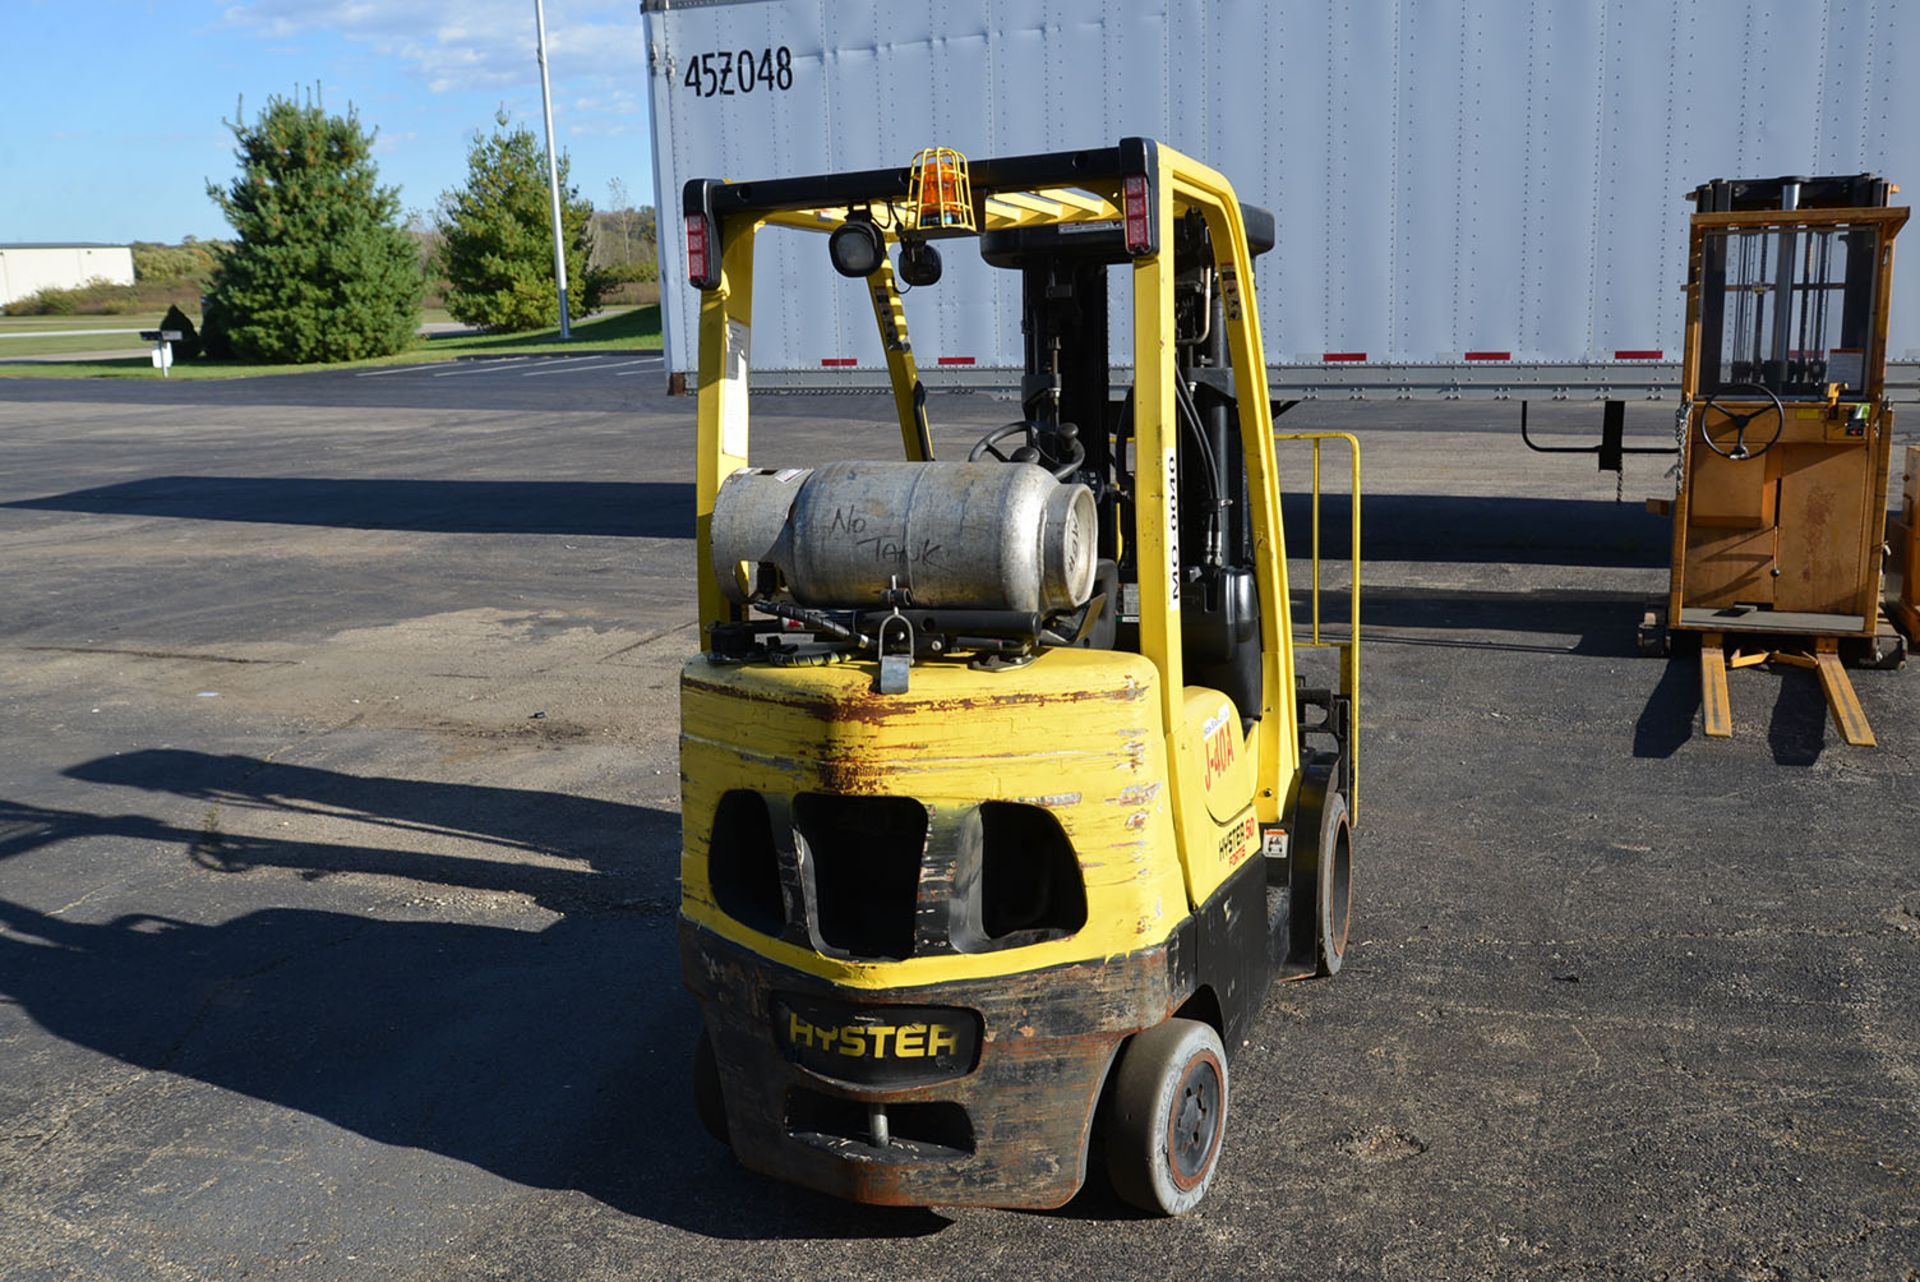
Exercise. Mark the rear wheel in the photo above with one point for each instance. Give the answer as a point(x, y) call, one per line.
point(1168, 1117)
point(708, 1103)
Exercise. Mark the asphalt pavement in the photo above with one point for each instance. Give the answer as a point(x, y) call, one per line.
point(338, 858)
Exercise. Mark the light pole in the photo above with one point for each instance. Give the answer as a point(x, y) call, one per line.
point(553, 169)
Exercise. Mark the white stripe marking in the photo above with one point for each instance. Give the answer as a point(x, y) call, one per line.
point(575, 369)
point(484, 367)
point(398, 369)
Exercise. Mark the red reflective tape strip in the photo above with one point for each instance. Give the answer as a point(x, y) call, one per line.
point(956, 360)
point(1489, 356)
point(1343, 356)
point(1638, 354)
point(837, 361)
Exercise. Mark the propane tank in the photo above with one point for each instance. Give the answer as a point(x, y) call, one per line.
point(974, 536)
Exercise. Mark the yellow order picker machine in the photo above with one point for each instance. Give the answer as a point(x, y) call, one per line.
point(1003, 804)
point(1779, 522)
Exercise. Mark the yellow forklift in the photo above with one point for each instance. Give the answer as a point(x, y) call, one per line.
point(1003, 803)
point(1779, 522)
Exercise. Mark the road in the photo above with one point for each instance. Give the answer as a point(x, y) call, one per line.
point(338, 840)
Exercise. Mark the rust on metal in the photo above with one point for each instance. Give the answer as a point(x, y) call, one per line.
point(1049, 1038)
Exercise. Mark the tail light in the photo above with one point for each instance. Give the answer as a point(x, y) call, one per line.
point(700, 264)
point(1138, 214)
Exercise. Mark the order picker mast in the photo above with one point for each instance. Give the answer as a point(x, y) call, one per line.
point(1779, 517)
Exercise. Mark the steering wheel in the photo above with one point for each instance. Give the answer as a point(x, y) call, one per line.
point(1740, 421)
point(1030, 452)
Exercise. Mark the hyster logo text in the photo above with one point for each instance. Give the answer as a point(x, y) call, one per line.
point(879, 1041)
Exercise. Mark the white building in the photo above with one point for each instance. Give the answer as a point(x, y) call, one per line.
point(28, 269)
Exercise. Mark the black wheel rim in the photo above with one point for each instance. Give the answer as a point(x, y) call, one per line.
point(1194, 1127)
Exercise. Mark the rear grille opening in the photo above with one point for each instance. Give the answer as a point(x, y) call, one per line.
point(1030, 883)
point(936, 1129)
point(864, 856)
point(742, 866)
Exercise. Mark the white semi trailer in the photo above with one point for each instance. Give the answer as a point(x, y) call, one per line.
point(1473, 198)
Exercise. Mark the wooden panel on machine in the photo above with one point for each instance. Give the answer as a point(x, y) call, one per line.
point(1732, 494)
point(1728, 567)
point(1824, 489)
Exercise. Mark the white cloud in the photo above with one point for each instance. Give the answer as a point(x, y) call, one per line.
point(485, 48)
point(593, 45)
point(386, 143)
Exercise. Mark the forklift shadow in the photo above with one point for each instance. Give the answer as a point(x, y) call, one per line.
point(550, 1052)
point(1474, 529)
point(644, 509)
point(1570, 621)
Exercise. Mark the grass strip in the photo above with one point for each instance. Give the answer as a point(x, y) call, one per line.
point(636, 329)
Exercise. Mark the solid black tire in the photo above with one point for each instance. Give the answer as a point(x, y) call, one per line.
point(1320, 872)
point(709, 1105)
point(1168, 1117)
point(1333, 900)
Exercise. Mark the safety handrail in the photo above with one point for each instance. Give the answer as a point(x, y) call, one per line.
point(1349, 650)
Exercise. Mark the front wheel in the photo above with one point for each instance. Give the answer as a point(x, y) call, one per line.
point(1169, 1116)
point(1333, 904)
point(1321, 873)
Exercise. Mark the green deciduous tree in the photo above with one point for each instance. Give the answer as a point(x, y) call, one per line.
point(496, 236)
point(322, 269)
point(190, 260)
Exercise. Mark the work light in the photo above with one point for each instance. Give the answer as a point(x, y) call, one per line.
point(919, 263)
point(856, 247)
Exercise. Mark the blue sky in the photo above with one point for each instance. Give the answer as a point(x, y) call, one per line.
point(111, 110)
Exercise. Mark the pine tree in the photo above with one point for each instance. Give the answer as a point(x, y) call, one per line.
point(496, 236)
point(322, 269)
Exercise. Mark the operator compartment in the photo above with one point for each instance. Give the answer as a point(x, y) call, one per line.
point(1787, 436)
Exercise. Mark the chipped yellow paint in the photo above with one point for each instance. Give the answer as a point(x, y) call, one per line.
point(957, 737)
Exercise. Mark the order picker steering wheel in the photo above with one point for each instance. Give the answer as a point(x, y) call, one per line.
point(1740, 421)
